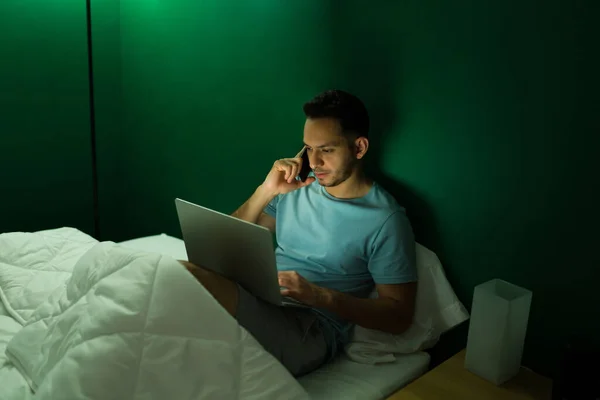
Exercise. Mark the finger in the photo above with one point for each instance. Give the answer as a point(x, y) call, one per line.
point(286, 292)
point(283, 281)
point(284, 166)
point(307, 182)
point(292, 274)
point(301, 153)
point(294, 173)
point(290, 166)
point(299, 163)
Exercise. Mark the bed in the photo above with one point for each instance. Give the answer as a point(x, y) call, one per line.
point(354, 374)
point(343, 378)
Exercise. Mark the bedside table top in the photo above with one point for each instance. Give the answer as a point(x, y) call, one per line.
point(451, 380)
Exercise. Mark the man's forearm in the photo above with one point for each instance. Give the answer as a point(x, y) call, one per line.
point(382, 314)
point(251, 210)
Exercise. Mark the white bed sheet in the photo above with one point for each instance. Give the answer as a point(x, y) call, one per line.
point(349, 380)
point(340, 379)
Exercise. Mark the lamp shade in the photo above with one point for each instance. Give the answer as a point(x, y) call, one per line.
point(497, 330)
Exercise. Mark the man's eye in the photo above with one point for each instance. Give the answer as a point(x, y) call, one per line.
point(327, 150)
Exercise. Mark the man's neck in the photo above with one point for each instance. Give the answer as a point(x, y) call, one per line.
point(358, 185)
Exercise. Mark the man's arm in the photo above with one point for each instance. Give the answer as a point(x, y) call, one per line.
point(392, 260)
point(280, 180)
point(391, 312)
point(252, 209)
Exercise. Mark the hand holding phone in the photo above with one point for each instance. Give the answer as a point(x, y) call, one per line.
point(283, 177)
point(305, 167)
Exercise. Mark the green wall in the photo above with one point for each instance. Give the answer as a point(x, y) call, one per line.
point(109, 108)
point(207, 106)
point(484, 125)
point(45, 152)
point(483, 128)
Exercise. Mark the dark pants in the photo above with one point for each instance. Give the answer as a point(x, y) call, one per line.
point(293, 335)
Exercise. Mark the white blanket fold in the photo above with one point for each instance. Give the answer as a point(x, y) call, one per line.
point(136, 325)
point(33, 265)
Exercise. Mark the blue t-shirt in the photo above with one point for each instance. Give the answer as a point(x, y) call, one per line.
point(343, 244)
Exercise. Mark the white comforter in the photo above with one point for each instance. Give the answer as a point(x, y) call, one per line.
point(103, 321)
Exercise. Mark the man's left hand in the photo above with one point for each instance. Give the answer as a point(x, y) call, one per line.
point(297, 287)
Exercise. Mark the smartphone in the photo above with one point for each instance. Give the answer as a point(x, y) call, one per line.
point(305, 170)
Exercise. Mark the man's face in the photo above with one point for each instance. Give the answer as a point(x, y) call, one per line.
point(331, 156)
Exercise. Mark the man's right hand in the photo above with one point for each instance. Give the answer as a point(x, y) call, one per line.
point(282, 177)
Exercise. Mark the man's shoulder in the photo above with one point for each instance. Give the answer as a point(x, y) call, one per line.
point(385, 201)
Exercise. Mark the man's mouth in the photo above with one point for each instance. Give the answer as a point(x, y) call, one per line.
point(320, 174)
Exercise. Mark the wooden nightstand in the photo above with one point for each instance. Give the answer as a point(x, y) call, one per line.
point(450, 380)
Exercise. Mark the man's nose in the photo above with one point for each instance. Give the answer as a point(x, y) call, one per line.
point(315, 160)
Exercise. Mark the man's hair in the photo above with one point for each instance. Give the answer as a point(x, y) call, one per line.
point(350, 112)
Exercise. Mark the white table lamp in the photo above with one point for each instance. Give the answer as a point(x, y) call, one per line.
point(497, 329)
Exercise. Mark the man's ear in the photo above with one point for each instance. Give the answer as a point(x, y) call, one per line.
point(361, 146)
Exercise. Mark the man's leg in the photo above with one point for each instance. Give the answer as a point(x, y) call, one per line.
point(292, 335)
point(221, 288)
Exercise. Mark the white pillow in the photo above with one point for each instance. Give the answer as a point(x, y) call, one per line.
point(437, 310)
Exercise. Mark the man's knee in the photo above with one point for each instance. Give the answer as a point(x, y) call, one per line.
point(188, 265)
point(204, 275)
point(221, 288)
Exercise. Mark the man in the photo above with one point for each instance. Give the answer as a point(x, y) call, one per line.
point(338, 233)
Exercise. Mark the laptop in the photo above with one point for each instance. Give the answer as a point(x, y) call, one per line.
point(236, 249)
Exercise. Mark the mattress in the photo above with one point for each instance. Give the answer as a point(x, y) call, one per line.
point(340, 379)
point(349, 380)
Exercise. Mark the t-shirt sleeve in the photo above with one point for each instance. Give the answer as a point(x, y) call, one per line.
point(393, 255)
point(271, 208)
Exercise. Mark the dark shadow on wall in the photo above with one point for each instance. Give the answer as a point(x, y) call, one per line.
point(368, 60)
point(366, 56)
